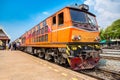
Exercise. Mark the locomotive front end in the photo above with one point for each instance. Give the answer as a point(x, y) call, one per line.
point(83, 56)
point(84, 48)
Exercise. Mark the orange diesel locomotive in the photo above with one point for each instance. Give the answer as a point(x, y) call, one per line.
point(70, 36)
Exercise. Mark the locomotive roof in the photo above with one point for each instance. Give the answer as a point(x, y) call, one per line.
point(77, 8)
point(70, 7)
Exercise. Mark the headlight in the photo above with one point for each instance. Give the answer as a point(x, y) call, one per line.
point(76, 37)
point(97, 38)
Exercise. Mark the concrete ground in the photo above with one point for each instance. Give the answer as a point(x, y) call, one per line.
point(17, 65)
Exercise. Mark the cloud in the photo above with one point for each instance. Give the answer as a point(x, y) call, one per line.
point(89, 2)
point(45, 13)
point(106, 11)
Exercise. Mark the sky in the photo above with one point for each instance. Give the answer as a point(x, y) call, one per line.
point(18, 16)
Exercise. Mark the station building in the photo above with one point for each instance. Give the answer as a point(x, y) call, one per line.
point(4, 39)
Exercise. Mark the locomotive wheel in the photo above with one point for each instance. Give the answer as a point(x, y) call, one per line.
point(47, 56)
point(56, 58)
point(25, 50)
point(41, 55)
point(62, 60)
point(59, 59)
point(34, 52)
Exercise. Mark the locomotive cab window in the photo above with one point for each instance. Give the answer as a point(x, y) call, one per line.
point(78, 16)
point(60, 18)
point(54, 20)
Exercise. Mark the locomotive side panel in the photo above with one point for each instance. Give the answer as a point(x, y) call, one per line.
point(60, 33)
point(85, 36)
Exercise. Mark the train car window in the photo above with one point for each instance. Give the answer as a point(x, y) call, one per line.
point(42, 38)
point(42, 30)
point(44, 23)
point(46, 29)
point(23, 40)
point(34, 40)
point(54, 20)
point(38, 26)
point(38, 29)
point(46, 37)
point(37, 39)
point(60, 18)
point(36, 32)
point(33, 33)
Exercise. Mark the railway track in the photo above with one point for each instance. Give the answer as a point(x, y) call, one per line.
point(114, 74)
point(101, 74)
point(111, 54)
point(111, 58)
point(97, 73)
point(111, 50)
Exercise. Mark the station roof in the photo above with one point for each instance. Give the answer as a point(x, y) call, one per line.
point(3, 34)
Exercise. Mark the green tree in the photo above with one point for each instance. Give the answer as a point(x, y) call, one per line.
point(113, 31)
point(102, 34)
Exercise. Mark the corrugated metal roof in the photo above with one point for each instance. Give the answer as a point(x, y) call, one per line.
point(4, 35)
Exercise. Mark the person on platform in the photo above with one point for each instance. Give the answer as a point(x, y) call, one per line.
point(14, 46)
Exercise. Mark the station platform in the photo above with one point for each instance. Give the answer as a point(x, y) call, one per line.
point(17, 65)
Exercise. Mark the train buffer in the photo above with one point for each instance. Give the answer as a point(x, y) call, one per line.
point(17, 65)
